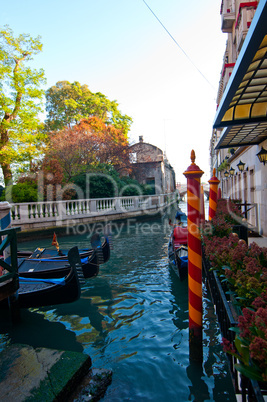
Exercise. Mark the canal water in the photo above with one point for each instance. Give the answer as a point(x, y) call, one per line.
point(133, 319)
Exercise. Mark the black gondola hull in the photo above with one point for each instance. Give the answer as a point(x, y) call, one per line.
point(39, 294)
point(51, 265)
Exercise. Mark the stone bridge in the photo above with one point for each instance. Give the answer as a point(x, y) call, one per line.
point(182, 189)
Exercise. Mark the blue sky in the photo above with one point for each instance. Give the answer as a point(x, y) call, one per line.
point(118, 47)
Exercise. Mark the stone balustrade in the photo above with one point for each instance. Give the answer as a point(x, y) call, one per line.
point(61, 213)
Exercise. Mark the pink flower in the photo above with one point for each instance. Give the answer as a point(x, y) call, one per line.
point(258, 351)
point(260, 301)
point(228, 346)
point(255, 250)
point(261, 314)
point(245, 322)
point(253, 266)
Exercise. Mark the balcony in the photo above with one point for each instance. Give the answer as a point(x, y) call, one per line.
point(228, 15)
point(225, 76)
point(243, 22)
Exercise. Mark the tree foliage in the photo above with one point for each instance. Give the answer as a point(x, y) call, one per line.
point(105, 181)
point(81, 148)
point(68, 103)
point(26, 191)
point(20, 100)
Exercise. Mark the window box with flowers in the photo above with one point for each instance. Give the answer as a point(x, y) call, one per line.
point(242, 271)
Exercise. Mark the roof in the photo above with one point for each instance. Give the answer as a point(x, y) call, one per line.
point(243, 107)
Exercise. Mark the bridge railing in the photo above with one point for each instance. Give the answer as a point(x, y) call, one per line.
point(22, 213)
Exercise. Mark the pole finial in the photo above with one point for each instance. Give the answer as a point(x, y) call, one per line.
point(193, 169)
point(214, 172)
point(193, 156)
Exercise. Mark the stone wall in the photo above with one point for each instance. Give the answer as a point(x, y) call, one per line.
point(149, 167)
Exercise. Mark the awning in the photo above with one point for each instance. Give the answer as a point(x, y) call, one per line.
point(243, 107)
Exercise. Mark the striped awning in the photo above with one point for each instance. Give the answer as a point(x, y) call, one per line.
point(243, 109)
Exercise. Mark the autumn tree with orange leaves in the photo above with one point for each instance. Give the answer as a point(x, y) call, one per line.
point(83, 147)
point(90, 146)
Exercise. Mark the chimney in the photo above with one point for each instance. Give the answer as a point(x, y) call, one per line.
point(141, 138)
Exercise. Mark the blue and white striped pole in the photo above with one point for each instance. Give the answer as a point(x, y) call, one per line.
point(5, 223)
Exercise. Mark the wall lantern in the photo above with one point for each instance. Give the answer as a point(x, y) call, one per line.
point(241, 166)
point(262, 155)
point(232, 171)
point(226, 173)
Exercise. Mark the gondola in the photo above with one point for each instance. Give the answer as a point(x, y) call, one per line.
point(39, 292)
point(177, 247)
point(40, 262)
point(181, 218)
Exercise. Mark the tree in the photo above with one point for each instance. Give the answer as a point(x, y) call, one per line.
point(83, 147)
point(67, 103)
point(20, 100)
point(106, 182)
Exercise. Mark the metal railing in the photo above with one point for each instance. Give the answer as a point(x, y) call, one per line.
point(251, 214)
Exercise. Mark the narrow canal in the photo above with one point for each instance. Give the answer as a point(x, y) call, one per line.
point(133, 319)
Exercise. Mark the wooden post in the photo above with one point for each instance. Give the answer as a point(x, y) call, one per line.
point(214, 182)
point(5, 223)
point(193, 175)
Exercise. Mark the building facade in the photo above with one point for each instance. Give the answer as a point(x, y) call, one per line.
point(150, 167)
point(239, 136)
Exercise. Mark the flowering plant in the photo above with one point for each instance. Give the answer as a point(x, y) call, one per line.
point(243, 273)
point(250, 345)
point(243, 268)
point(227, 215)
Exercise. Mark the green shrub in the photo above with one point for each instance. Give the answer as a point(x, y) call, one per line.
point(20, 192)
point(104, 182)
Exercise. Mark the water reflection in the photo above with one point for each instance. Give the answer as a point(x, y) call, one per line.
point(133, 319)
point(37, 330)
point(199, 390)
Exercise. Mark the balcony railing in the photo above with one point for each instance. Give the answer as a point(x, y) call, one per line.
point(226, 74)
point(228, 15)
point(243, 21)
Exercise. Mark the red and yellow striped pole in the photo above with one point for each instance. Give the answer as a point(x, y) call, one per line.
point(193, 175)
point(213, 195)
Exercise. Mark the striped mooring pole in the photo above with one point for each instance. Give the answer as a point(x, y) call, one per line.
point(193, 175)
point(213, 195)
